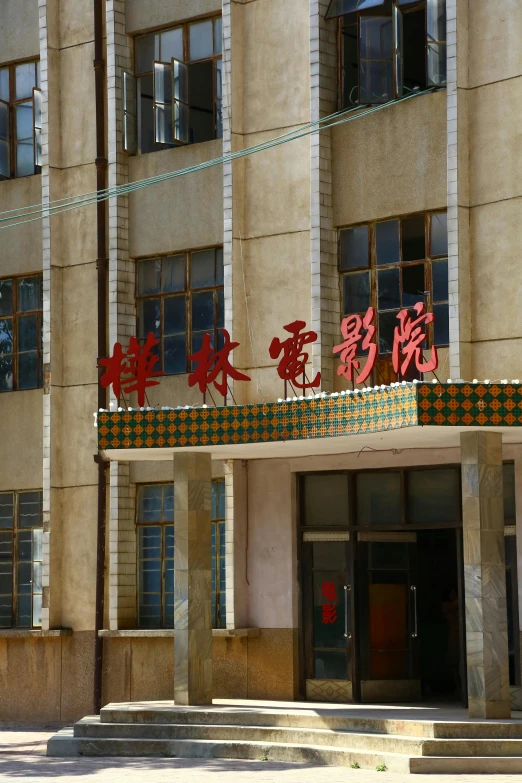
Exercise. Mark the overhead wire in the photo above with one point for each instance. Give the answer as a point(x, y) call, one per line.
point(68, 204)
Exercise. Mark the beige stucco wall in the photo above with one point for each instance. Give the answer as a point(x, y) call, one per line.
point(390, 163)
point(19, 39)
point(495, 187)
point(146, 14)
point(21, 247)
point(180, 214)
point(21, 438)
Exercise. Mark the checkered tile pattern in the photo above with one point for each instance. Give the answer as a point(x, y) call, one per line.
point(330, 416)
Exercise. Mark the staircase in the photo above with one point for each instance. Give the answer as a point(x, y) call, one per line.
point(312, 734)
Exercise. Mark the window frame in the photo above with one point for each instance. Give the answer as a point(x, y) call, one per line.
point(12, 104)
point(216, 620)
point(215, 58)
point(187, 293)
point(398, 11)
point(15, 561)
point(383, 360)
point(39, 329)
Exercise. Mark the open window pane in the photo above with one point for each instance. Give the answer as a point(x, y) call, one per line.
point(342, 7)
point(146, 134)
point(398, 50)
point(24, 120)
point(412, 285)
point(436, 20)
point(376, 81)
point(180, 112)
point(437, 64)
point(376, 42)
point(130, 114)
point(163, 103)
point(180, 122)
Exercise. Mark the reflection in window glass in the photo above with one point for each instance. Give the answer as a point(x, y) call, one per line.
point(354, 248)
point(21, 334)
point(378, 498)
point(432, 495)
point(356, 292)
point(201, 40)
point(439, 234)
point(325, 499)
point(387, 242)
point(171, 45)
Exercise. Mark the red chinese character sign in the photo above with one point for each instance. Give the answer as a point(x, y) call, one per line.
point(356, 341)
point(131, 371)
point(211, 363)
point(408, 339)
point(292, 364)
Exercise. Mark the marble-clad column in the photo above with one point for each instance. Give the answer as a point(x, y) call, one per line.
point(192, 579)
point(485, 575)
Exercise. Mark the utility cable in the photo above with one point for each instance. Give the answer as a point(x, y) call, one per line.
point(87, 199)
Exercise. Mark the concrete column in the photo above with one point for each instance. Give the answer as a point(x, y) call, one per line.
point(192, 579)
point(484, 574)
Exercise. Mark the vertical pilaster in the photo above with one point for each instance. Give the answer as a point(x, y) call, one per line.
point(485, 575)
point(192, 579)
point(323, 245)
point(122, 320)
point(459, 284)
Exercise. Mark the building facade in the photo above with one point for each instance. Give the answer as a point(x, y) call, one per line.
point(415, 199)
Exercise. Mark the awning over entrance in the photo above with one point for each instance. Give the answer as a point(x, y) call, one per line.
point(407, 415)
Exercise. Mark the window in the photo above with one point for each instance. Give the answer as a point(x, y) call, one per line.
point(391, 265)
point(21, 528)
point(389, 47)
point(20, 120)
point(181, 297)
point(155, 531)
point(176, 93)
point(20, 333)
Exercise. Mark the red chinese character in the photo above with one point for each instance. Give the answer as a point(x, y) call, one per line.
point(351, 329)
point(328, 591)
point(137, 363)
point(408, 339)
point(293, 361)
point(329, 614)
point(209, 363)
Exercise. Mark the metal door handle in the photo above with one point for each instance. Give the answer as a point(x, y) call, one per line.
point(347, 635)
point(415, 631)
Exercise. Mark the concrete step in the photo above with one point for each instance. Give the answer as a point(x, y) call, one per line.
point(467, 765)
point(165, 713)
point(65, 744)
point(472, 747)
point(92, 728)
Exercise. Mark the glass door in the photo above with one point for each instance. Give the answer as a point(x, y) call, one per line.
point(327, 615)
point(387, 604)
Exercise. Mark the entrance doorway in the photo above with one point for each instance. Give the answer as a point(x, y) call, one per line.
point(381, 616)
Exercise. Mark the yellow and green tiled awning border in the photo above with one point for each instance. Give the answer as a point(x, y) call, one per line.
point(322, 416)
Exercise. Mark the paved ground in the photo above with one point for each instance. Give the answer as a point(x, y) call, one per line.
point(22, 756)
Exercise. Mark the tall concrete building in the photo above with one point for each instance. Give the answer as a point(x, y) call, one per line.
point(357, 545)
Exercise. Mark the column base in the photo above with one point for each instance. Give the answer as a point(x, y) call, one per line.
point(489, 709)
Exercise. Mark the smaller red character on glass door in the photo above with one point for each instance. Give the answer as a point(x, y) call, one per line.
point(329, 610)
